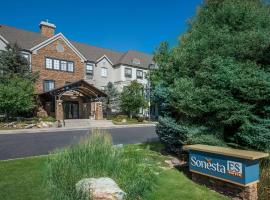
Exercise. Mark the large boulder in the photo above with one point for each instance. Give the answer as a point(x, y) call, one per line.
point(100, 189)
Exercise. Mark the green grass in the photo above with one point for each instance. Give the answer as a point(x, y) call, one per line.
point(173, 185)
point(24, 179)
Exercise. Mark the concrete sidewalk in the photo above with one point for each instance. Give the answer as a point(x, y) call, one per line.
point(62, 129)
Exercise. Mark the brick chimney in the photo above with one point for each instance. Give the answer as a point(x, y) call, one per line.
point(47, 29)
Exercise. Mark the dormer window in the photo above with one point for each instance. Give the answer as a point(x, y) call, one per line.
point(89, 69)
point(136, 61)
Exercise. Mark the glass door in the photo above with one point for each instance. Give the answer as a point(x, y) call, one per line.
point(71, 110)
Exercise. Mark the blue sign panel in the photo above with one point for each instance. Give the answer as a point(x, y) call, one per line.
point(231, 169)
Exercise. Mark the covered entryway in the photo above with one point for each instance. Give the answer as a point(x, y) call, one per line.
point(77, 100)
point(71, 110)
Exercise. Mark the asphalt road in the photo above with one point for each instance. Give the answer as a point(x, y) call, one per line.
point(41, 143)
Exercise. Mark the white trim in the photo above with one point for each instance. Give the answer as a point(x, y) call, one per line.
point(4, 40)
point(54, 38)
point(104, 56)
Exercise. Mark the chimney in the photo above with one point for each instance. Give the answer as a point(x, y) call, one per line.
point(47, 29)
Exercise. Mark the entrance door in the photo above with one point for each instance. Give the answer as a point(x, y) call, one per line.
point(71, 110)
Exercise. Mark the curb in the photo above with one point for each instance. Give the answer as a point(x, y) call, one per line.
point(39, 130)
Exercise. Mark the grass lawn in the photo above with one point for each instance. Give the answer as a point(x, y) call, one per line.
point(23, 179)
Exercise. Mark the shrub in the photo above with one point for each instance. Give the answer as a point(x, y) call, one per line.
point(264, 186)
point(174, 135)
point(207, 139)
point(48, 119)
point(97, 157)
point(119, 118)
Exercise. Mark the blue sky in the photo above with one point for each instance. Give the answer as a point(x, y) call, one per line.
point(115, 24)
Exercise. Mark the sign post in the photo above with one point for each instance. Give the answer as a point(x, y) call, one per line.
point(232, 172)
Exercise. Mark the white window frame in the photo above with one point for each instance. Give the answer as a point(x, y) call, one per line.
point(63, 63)
point(128, 75)
point(89, 71)
point(70, 64)
point(51, 85)
point(49, 63)
point(104, 72)
point(139, 71)
point(55, 65)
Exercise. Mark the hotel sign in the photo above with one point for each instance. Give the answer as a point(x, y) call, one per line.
point(225, 164)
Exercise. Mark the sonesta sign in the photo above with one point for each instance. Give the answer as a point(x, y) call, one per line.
point(232, 167)
point(235, 166)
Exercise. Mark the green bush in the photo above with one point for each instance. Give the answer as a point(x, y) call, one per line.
point(119, 118)
point(48, 119)
point(264, 186)
point(174, 135)
point(207, 139)
point(97, 157)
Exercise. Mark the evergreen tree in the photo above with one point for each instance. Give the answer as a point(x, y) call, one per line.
point(16, 82)
point(218, 76)
point(12, 63)
point(111, 102)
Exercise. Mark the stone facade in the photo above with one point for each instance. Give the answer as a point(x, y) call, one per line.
point(60, 77)
point(236, 192)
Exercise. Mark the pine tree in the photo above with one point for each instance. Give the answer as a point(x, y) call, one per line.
point(220, 72)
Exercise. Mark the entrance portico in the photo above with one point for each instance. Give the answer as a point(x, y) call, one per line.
point(77, 100)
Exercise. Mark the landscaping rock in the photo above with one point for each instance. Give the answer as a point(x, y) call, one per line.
point(100, 189)
point(30, 126)
point(10, 125)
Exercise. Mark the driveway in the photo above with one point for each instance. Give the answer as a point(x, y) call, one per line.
point(41, 143)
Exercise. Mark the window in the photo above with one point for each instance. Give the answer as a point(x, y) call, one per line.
point(89, 69)
point(139, 74)
point(26, 56)
point(48, 85)
point(128, 72)
point(70, 66)
point(56, 64)
point(63, 65)
point(104, 72)
point(48, 63)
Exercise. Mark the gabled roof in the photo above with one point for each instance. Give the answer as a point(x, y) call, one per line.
point(93, 53)
point(54, 38)
point(27, 40)
point(128, 57)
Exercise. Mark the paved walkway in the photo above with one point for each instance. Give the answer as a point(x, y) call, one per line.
point(70, 123)
point(41, 143)
point(74, 128)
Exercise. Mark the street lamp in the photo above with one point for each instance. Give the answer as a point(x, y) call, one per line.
point(150, 66)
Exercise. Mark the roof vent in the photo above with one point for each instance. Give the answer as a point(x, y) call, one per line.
point(136, 61)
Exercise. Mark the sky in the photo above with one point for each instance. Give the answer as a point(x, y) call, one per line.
point(120, 25)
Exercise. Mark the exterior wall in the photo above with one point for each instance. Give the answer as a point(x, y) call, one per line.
point(100, 81)
point(2, 45)
point(60, 77)
point(124, 81)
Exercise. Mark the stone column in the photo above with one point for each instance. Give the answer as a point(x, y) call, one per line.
point(59, 113)
point(99, 111)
